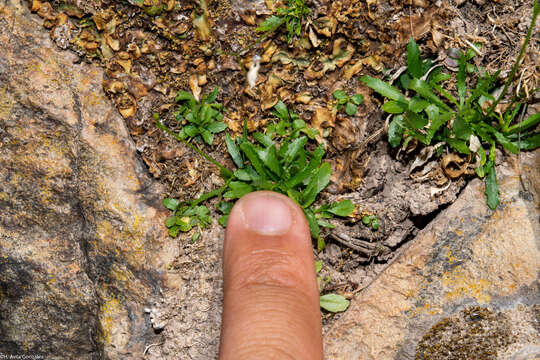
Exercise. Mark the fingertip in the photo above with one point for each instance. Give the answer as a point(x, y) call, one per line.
point(270, 288)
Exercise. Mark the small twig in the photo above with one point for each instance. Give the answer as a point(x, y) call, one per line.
point(151, 345)
point(475, 49)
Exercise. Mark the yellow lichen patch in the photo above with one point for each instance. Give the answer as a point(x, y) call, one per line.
point(126, 279)
point(107, 315)
point(6, 103)
point(460, 284)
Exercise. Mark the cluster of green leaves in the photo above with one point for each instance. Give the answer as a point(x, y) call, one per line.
point(371, 221)
point(277, 160)
point(330, 302)
point(350, 103)
point(185, 217)
point(202, 118)
point(292, 16)
point(430, 112)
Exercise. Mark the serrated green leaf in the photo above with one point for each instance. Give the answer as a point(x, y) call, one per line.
point(405, 80)
point(265, 140)
point(507, 144)
point(492, 188)
point(234, 152)
point(462, 130)
point(293, 149)
point(382, 88)
point(211, 98)
point(395, 131)
point(340, 95)
point(303, 175)
point(414, 63)
point(184, 95)
point(207, 136)
point(242, 174)
point(190, 130)
point(216, 127)
point(321, 244)
point(269, 158)
point(281, 111)
point(223, 220)
point(458, 145)
point(312, 223)
point(529, 143)
point(249, 150)
point(173, 231)
point(318, 182)
point(439, 77)
point(224, 207)
point(270, 24)
point(416, 104)
point(394, 107)
point(334, 303)
point(424, 90)
point(318, 266)
point(237, 190)
point(415, 121)
point(341, 208)
point(350, 109)
point(170, 203)
point(531, 121)
point(170, 221)
point(326, 224)
point(357, 99)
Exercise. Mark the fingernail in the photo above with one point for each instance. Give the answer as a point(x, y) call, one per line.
point(266, 214)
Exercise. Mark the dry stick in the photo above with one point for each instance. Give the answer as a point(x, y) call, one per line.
point(536, 10)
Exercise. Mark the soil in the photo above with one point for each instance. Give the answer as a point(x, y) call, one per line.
point(151, 49)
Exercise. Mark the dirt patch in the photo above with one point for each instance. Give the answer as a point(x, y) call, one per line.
point(152, 49)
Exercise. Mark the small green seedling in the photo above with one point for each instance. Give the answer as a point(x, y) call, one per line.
point(350, 103)
point(330, 302)
point(371, 221)
point(430, 112)
point(333, 303)
point(292, 16)
point(200, 119)
point(185, 217)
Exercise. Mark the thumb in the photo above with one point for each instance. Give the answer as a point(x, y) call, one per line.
point(271, 300)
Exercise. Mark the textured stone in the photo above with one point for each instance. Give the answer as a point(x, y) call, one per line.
point(468, 284)
point(82, 246)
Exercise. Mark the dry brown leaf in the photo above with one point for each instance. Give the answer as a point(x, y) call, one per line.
point(127, 105)
point(452, 165)
point(194, 86)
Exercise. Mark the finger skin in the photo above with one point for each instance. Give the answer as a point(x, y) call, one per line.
point(271, 299)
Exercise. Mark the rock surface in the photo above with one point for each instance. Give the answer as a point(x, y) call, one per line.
point(467, 287)
point(82, 246)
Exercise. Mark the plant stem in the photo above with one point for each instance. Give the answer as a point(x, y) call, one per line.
point(226, 172)
point(536, 10)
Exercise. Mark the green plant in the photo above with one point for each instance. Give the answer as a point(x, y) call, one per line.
point(278, 160)
point(200, 118)
point(292, 16)
point(350, 103)
point(185, 217)
point(330, 302)
point(430, 111)
point(371, 221)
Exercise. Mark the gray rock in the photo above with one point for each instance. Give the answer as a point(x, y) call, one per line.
point(467, 287)
point(82, 246)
